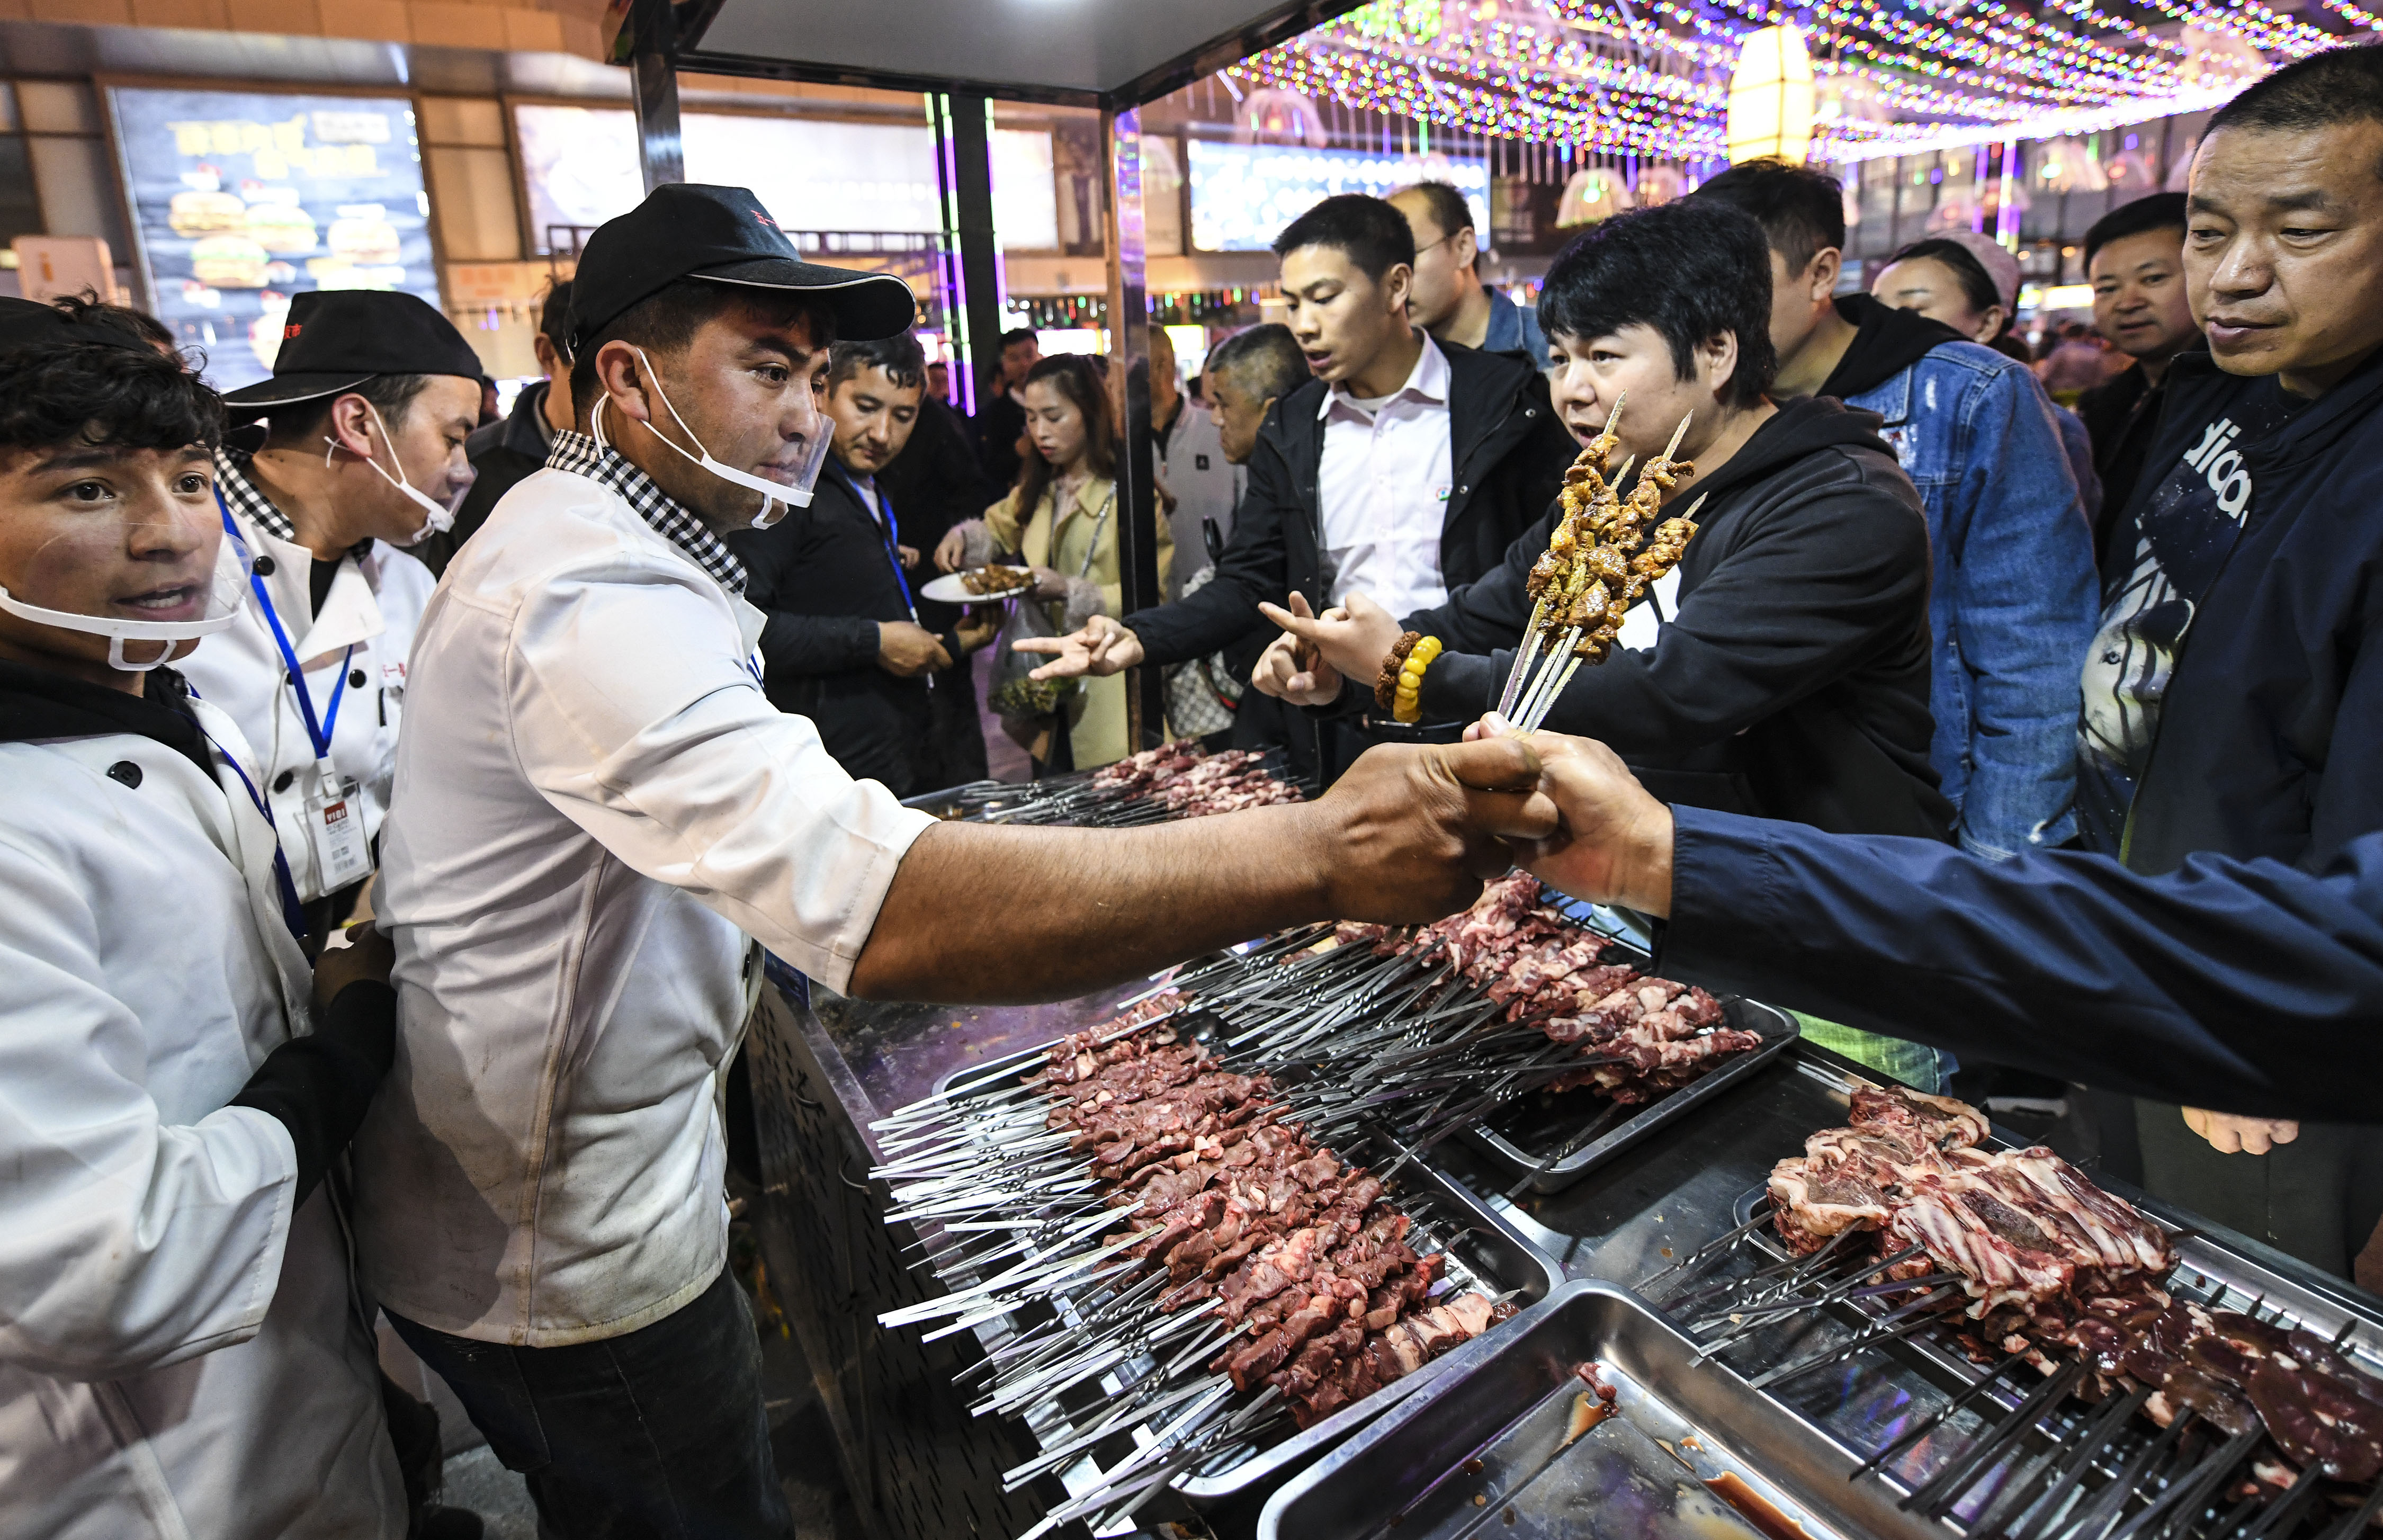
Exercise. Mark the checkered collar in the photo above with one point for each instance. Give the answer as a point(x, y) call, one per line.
point(579, 454)
point(232, 480)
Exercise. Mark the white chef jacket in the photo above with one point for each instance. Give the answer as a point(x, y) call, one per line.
point(1382, 488)
point(179, 1355)
point(1206, 486)
point(595, 807)
point(374, 605)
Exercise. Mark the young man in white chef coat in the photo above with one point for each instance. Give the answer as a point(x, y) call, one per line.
point(180, 1354)
point(371, 397)
point(599, 820)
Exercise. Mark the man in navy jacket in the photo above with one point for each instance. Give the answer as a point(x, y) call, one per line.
point(2234, 696)
point(842, 644)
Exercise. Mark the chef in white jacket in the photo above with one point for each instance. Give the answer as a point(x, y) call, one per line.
point(180, 1354)
point(371, 397)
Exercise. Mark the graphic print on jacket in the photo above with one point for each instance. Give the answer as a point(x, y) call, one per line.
point(2190, 525)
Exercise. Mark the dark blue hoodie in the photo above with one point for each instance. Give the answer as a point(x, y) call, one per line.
point(2269, 735)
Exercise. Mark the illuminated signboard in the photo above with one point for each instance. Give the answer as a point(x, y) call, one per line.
point(580, 164)
point(1242, 195)
point(242, 199)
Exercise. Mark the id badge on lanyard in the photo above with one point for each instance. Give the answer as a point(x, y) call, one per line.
point(334, 814)
point(335, 828)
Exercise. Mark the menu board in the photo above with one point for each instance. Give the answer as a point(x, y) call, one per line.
point(243, 199)
point(1242, 195)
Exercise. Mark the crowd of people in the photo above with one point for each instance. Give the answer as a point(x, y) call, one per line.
point(401, 804)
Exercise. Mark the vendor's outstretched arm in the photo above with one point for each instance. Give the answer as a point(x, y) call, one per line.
point(991, 914)
point(2246, 986)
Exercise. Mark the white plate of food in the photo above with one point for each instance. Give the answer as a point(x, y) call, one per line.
point(979, 585)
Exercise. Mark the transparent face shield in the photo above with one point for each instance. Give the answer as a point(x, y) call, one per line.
point(777, 495)
point(106, 577)
point(437, 518)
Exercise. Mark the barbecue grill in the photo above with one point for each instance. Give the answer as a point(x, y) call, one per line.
point(1762, 1390)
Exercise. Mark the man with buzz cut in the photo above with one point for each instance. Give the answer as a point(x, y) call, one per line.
point(600, 821)
point(2134, 257)
point(1405, 468)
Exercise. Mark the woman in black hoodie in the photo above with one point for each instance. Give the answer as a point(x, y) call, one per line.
point(1784, 669)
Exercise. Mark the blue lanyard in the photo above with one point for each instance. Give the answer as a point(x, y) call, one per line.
point(293, 913)
point(318, 734)
point(892, 554)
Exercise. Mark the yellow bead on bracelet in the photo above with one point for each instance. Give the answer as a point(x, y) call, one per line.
point(1407, 703)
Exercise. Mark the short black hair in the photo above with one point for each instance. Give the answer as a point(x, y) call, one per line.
point(670, 317)
point(1977, 285)
point(2340, 85)
point(1691, 269)
point(900, 356)
point(1449, 209)
point(1371, 233)
point(304, 425)
point(1802, 211)
point(89, 309)
point(1016, 335)
point(1264, 361)
point(2161, 211)
point(554, 316)
point(103, 396)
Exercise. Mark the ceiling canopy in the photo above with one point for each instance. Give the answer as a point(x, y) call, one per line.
point(1117, 53)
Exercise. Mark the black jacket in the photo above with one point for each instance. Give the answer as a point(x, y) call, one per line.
point(2271, 729)
point(997, 424)
point(1793, 682)
point(501, 454)
point(2122, 418)
point(936, 483)
point(823, 576)
point(1507, 454)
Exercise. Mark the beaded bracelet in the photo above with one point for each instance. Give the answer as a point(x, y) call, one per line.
point(1386, 683)
point(1406, 702)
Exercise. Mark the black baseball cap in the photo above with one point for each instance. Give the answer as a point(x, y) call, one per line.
point(334, 339)
point(28, 322)
point(722, 235)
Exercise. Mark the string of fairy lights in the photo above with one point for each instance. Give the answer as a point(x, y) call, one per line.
point(1893, 76)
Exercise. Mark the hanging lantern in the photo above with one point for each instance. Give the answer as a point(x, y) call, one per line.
point(1593, 193)
point(1771, 96)
point(1272, 116)
point(1660, 184)
point(2069, 166)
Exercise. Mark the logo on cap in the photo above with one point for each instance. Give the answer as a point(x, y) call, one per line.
point(765, 219)
point(289, 332)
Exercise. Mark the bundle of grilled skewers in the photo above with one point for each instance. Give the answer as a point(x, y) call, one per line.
point(1135, 1210)
point(2145, 1406)
point(1527, 1004)
point(1178, 780)
point(1599, 561)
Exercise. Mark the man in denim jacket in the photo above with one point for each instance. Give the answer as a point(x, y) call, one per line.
point(2013, 604)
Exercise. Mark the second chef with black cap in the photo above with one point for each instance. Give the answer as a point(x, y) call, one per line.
point(362, 454)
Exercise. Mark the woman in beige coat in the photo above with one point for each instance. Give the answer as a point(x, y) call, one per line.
point(1061, 520)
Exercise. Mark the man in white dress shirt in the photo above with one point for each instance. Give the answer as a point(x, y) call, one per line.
point(371, 397)
point(601, 821)
point(1406, 464)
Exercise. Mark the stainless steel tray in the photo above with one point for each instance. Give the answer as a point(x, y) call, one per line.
point(1521, 1137)
point(1480, 1242)
point(1688, 1451)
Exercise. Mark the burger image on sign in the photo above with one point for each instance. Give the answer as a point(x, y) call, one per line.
point(228, 262)
point(281, 227)
point(199, 213)
point(362, 235)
